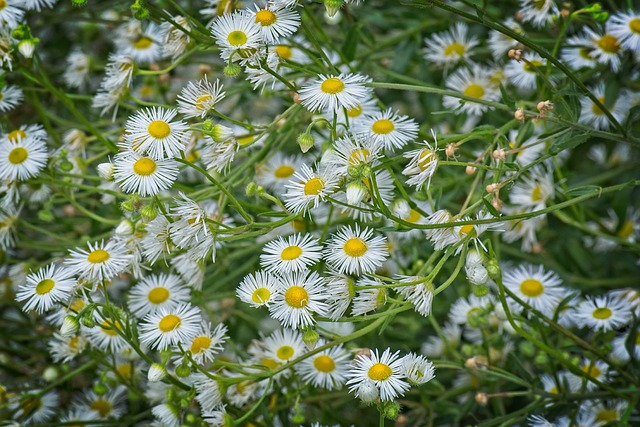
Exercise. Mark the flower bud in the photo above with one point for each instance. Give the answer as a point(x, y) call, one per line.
point(544, 107)
point(70, 326)
point(310, 338)
point(148, 213)
point(333, 6)
point(207, 125)
point(232, 70)
point(100, 388)
point(367, 391)
point(221, 133)
point(156, 372)
point(27, 47)
point(480, 290)
point(401, 208)
point(390, 409)
point(50, 374)
point(451, 149)
point(250, 189)
point(499, 154)
point(519, 114)
point(356, 192)
point(125, 228)
point(183, 370)
point(305, 141)
point(492, 188)
point(470, 170)
point(482, 399)
point(105, 170)
point(493, 268)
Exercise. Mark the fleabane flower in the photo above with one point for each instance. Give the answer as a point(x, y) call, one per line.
point(450, 47)
point(523, 74)
point(46, 287)
point(207, 343)
point(355, 251)
point(300, 296)
point(384, 371)
point(103, 261)
point(422, 164)
point(388, 128)
point(625, 27)
point(275, 22)
point(326, 369)
point(474, 84)
point(258, 289)
point(296, 253)
point(136, 173)
point(540, 289)
point(417, 369)
point(143, 45)
point(153, 132)
point(236, 35)
point(331, 93)
point(10, 97)
point(155, 292)
point(592, 115)
point(198, 99)
point(170, 326)
point(538, 12)
point(603, 313)
point(11, 13)
point(308, 188)
point(22, 158)
point(352, 152)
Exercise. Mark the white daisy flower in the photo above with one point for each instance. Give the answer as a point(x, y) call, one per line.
point(388, 128)
point(357, 197)
point(422, 164)
point(326, 369)
point(577, 52)
point(277, 171)
point(283, 346)
point(198, 99)
point(523, 74)
point(175, 38)
point(500, 43)
point(367, 300)
point(593, 369)
point(105, 335)
point(331, 93)
point(593, 115)
point(417, 369)
point(236, 35)
point(11, 13)
point(606, 48)
point(258, 289)
point(207, 391)
point(353, 251)
point(420, 294)
point(21, 159)
point(538, 12)
point(300, 296)
point(152, 132)
point(76, 73)
point(473, 84)
point(107, 405)
point(352, 152)
point(33, 409)
point(296, 253)
point(620, 350)
point(275, 23)
point(441, 237)
point(43, 289)
point(143, 45)
point(168, 415)
point(136, 173)
point(10, 97)
point(603, 313)
point(351, 116)
point(155, 292)
point(308, 188)
point(35, 132)
point(103, 261)
point(450, 47)
point(385, 371)
point(535, 191)
point(207, 343)
point(118, 72)
point(542, 290)
point(340, 291)
point(66, 349)
point(626, 28)
point(464, 311)
point(170, 326)
point(38, 5)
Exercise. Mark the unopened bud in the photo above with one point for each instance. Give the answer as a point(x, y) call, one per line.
point(356, 192)
point(105, 170)
point(156, 372)
point(480, 290)
point(207, 125)
point(232, 70)
point(519, 114)
point(27, 47)
point(451, 149)
point(333, 6)
point(125, 228)
point(310, 338)
point(148, 213)
point(493, 268)
point(221, 133)
point(50, 374)
point(390, 409)
point(482, 399)
point(250, 189)
point(306, 142)
point(100, 388)
point(70, 326)
point(477, 274)
point(183, 370)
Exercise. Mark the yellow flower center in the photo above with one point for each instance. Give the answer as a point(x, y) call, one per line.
point(332, 86)
point(283, 171)
point(261, 295)
point(474, 91)
point(110, 328)
point(531, 288)
point(553, 390)
point(265, 18)
point(531, 66)
point(465, 229)
point(45, 286)
point(626, 230)
point(585, 53)
point(355, 247)
point(16, 134)
point(536, 194)
point(18, 155)
point(358, 156)
point(283, 51)
point(285, 352)
point(414, 216)
point(379, 372)
point(101, 406)
point(313, 187)
point(383, 126)
point(597, 110)
point(125, 370)
point(200, 343)
point(169, 322)
point(454, 49)
point(31, 404)
point(237, 38)
point(355, 112)
point(324, 363)
point(634, 25)
point(158, 295)
point(290, 253)
point(202, 101)
point(539, 4)
point(3, 4)
point(97, 256)
point(159, 129)
point(591, 370)
point(269, 363)
point(144, 166)
point(296, 297)
point(425, 158)
point(609, 44)
point(607, 415)
point(602, 313)
point(73, 343)
point(143, 42)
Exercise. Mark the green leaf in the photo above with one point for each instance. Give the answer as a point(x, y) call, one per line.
point(490, 207)
point(350, 45)
point(568, 142)
point(582, 190)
